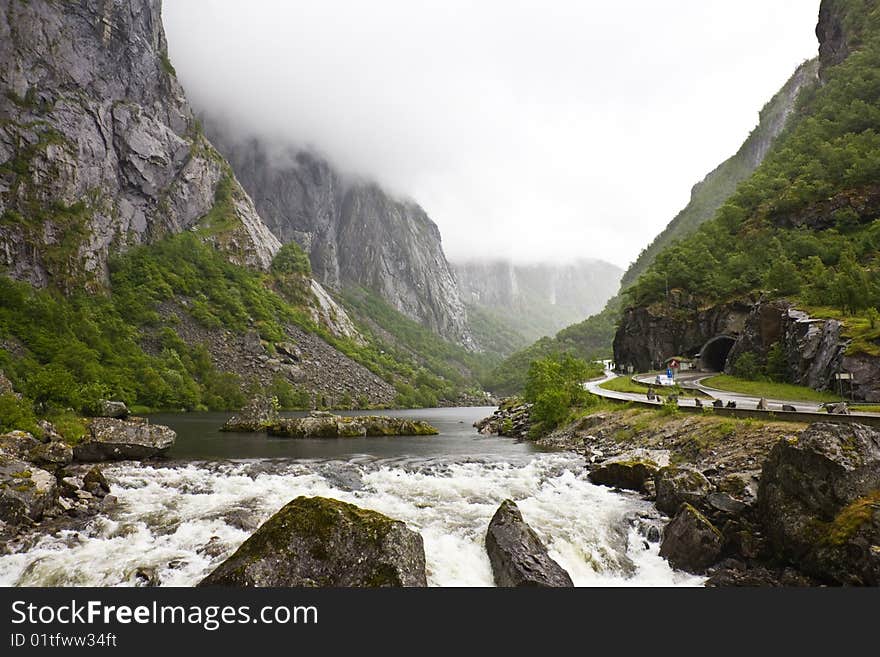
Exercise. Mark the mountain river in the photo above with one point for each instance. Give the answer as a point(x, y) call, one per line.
point(181, 517)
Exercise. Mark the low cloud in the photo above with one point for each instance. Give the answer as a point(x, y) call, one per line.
point(534, 130)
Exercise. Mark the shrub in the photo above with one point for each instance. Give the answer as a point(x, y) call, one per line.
point(777, 364)
point(747, 366)
point(16, 413)
point(291, 259)
point(554, 385)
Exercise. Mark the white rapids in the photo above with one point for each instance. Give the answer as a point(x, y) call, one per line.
point(183, 520)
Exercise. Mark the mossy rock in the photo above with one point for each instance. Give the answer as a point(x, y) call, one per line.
point(677, 485)
point(25, 491)
point(690, 541)
point(848, 549)
point(629, 474)
point(335, 426)
point(321, 542)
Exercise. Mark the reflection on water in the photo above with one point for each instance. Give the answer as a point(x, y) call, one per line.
point(199, 437)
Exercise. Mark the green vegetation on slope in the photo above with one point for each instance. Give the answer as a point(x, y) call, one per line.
point(493, 333)
point(71, 351)
point(590, 340)
point(428, 369)
point(554, 386)
point(812, 207)
point(768, 389)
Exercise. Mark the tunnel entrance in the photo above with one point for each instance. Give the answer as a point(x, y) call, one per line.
point(713, 356)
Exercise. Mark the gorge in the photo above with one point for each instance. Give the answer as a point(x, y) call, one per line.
point(164, 265)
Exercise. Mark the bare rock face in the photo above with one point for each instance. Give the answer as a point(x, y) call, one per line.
point(819, 502)
point(518, 556)
point(834, 38)
point(648, 335)
point(319, 542)
point(355, 233)
point(690, 541)
point(99, 149)
point(111, 439)
point(815, 349)
point(26, 491)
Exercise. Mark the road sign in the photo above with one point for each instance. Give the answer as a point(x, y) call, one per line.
point(669, 373)
point(843, 376)
point(673, 364)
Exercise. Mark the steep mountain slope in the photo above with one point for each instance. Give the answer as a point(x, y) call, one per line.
point(532, 301)
point(803, 227)
point(99, 147)
point(144, 272)
point(709, 194)
point(355, 233)
point(593, 336)
point(590, 340)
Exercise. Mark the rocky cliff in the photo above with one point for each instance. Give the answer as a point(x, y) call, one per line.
point(842, 27)
point(101, 152)
point(99, 147)
point(355, 233)
point(813, 349)
point(539, 299)
point(648, 335)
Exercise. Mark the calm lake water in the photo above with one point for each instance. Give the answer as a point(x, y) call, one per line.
point(199, 437)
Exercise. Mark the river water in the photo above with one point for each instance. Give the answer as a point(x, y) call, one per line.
point(181, 517)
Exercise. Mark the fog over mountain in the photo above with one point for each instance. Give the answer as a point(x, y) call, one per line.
point(498, 117)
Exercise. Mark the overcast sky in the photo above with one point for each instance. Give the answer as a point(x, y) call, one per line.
point(538, 130)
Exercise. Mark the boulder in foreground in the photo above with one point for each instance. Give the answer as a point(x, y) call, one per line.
point(110, 439)
point(819, 502)
point(518, 556)
point(325, 425)
point(320, 542)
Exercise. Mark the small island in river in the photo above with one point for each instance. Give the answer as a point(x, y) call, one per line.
point(260, 416)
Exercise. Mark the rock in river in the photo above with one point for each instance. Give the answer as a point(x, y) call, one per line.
point(518, 556)
point(110, 439)
point(259, 413)
point(26, 492)
point(690, 541)
point(319, 542)
point(677, 485)
point(325, 425)
point(628, 473)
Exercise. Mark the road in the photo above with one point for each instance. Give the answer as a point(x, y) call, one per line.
point(694, 382)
